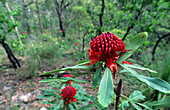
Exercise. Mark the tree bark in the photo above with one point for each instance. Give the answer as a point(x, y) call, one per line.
point(59, 13)
point(11, 17)
point(100, 17)
point(39, 17)
point(11, 56)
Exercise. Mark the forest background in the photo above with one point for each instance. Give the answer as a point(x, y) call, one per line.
point(45, 35)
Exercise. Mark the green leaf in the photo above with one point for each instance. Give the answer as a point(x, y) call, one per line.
point(97, 77)
point(83, 62)
point(124, 104)
point(133, 44)
point(99, 106)
point(164, 102)
point(154, 83)
point(136, 106)
point(106, 88)
point(140, 67)
point(87, 106)
point(64, 79)
point(145, 106)
point(128, 69)
point(65, 69)
point(136, 96)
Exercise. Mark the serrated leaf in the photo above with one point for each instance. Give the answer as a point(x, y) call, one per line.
point(133, 44)
point(136, 96)
point(97, 77)
point(154, 83)
point(164, 102)
point(140, 67)
point(106, 88)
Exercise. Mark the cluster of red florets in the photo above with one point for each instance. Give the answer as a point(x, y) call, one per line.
point(104, 48)
point(68, 92)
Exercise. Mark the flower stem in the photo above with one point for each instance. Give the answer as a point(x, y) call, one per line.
point(118, 92)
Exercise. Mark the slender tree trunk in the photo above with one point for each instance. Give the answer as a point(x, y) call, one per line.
point(11, 56)
point(11, 17)
point(100, 17)
point(59, 13)
point(26, 16)
point(39, 17)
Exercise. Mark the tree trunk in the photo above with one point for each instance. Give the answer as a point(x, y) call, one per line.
point(11, 56)
point(100, 17)
point(11, 17)
point(26, 16)
point(39, 17)
point(59, 13)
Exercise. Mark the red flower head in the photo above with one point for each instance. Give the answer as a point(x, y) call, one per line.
point(67, 93)
point(68, 75)
point(76, 44)
point(104, 48)
point(24, 33)
point(59, 38)
point(61, 30)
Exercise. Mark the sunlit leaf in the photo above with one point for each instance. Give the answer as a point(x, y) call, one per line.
point(136, 96)
point(65, 69)
point(140, 67)
point(133, 44)
point(106, 88)
point(64, 79)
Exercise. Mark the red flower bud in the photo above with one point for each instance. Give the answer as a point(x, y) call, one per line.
point(67, 93)
point(24, 33)
point(76, 44)
point(61, 30)
point(68, 75)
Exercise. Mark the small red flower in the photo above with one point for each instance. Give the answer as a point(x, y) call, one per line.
point(67, 93)
point(68, 75)
point(76, 44)
point(24, 33)
point(104, 48)
point(125, 62)
point(59, 38)
point(61, 30)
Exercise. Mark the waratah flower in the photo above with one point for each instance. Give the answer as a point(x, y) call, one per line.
point(68, 75)
point(67, 93)
point(104, 48)
point(76, 44)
